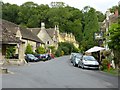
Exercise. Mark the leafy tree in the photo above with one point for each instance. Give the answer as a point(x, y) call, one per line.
point(112, 10)
point(67, 47)
point(90, 27)
point(29, 49)
point(10, 12)
point(40, 50)
point(100, 16)
point(114, 43)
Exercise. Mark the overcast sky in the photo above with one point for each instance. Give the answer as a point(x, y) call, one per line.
point(100, 5)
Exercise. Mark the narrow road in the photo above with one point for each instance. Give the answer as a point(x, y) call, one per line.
point(56, 73)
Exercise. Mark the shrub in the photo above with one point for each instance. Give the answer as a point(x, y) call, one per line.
point(107, 53)
point(105, 63)
point(10, 51)
point(65, 50)
point(40, 50)
point(52, 49)
point(29, 49)
point(58, 52)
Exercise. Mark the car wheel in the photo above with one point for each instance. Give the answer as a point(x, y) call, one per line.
point(82, 66)
point(78, 66)
point(74, 64)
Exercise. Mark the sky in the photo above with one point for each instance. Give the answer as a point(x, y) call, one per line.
point(99, 5)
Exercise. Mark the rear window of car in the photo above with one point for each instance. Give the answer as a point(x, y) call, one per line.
point(91, 58)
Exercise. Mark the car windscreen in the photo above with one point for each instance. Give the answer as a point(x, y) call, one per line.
point(78, 56)
point(90, 58)
point(30, 55)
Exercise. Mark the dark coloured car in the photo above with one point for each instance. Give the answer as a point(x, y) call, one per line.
point(39, 56)
point(48, 57)
point(31, 58)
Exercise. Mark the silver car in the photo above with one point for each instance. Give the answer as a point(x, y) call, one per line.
point(72, 56)
point(88, 62)
point(76, 59)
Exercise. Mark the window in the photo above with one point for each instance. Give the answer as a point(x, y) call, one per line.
point(47, 42)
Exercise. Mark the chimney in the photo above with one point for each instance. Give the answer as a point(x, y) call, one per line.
point(55, 27)
point(116, 12)
point(42, 25)
point(107, 14)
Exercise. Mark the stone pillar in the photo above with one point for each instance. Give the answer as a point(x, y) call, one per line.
point(21, 52)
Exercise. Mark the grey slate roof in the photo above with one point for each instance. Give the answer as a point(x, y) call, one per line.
point(8, 32)
point(10, 29)
point(27, 34)
point(35, 30)
point(52, 32)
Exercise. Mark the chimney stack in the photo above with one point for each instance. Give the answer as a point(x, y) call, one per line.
point(42, 25)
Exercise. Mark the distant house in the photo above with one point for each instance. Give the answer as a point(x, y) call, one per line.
point(47, 36)
point(65, 37)
point(52, 36)
point(110, 18)
point(14, 35)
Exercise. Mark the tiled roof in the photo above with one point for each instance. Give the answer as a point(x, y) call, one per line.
point(9, 32)
point(27, 34)
point(52, 32)
point(35, 30)
point(8, 36)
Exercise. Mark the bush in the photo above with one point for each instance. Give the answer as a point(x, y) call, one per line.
point(52, 48)
point(65, 50)
point(107, 53)
point(29, 49)
point(58, 52)
point(105, 63)
point(40, 50)
point(10, 52)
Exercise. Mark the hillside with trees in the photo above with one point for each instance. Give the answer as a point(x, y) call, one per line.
point(82, 23)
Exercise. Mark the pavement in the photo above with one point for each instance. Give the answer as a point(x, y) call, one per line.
point(56, 73)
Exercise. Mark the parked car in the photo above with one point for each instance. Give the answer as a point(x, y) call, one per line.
point(48, 57)
point(43, 57)
point(88, 62)
point(77, 57)
point(31, 58)
point(39, 56)
point(72, 56)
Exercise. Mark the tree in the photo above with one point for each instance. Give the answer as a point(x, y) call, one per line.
point(29, 49)
point(10, 12)
point(114, 43)
point(112, 10)
point(100, 16)
point(40, 50)
point(90, 27)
